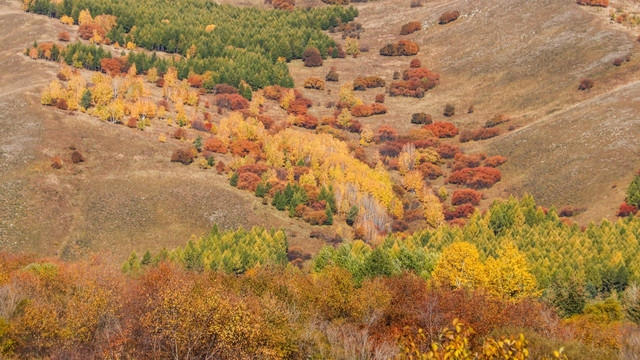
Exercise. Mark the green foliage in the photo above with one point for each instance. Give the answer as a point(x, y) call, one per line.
point(261, 190)
point(233, 251)
point(245, 43)
point(352, 214)
point(234, 179)
point(633, 192)
point(197, 143)
point(391, 258)
point(328, 196)
point(605, 312)
point(132, 265)
point(85, 102)
point(329, 213)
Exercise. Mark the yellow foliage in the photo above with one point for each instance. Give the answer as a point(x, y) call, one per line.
point(102, 92)
point(84, 18)
point(68, 20)
point(107, 22)
point(366, 136)
point(459, 267)
point(413, 181)
point(347, 96)
point(509, 276)
point(162, 138)
point(131, 46)
point(210, 28)
point(432, 209)
point(152, 75)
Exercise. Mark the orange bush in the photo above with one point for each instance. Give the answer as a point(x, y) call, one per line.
point(196, 81)
point(466, 196)
point(402, 48)
point(113, 66)
point(462, 211)
point(495, 161)
point(215, 145)
point(368, 110)
point(410, 28)
point(273, 92)
point(603, 3)
point(447, 151)
point(478, 134)
point(315, 217)
point(380, 98)
point(62, 104)
point(386, 133)
point(461, 161)
point(180, 133)
point(132, 122)
point(56, 162)
point(86, 31)
point(244, 148)
point(406, 88)
point(432, 171)
point(415, 63)
point(442, 129)
point(231, 101)
point(64, 36)
point(314, 83)
point(624, 211)
point(306, 121)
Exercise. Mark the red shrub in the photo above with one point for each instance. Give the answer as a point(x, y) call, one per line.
point(368, 82)
point(386, 133)
point(415, 63)
point(132, 122)
point(180, 133)
point(315, 217)
point(390, 149)
point(248, 181)
point(64, 36)
point(267, 121)
point(225, 89)
point(196, 81)
point(399, 226)
point(495, 161)
point(449, 17)
point(626, 210)
point(160, 82)
point(410, 28)
point(442, 129)
point(461, 161)
point(406, 88)
point(603, 3)
point(220, 167)
point(380, 98)
point(476, 178)
point(431, 142)
point(462, 211)
point(86, 31)
point(257, 169)
point(428, 78)
point(231, 101)
point(62, 104)
point(312, 57)
point(466, 196)
point(184, 156)
point(113, 67)
point(299, 106)
point(215, 145)
point(430, 170)
point(306, 121)
point(570, 211)
point(478, 134)
point(447, 151)
point(244, 148)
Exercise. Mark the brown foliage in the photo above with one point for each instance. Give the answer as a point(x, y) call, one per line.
point(461, 161)
point(391, 149)
point(315, 217)
point(113, 67)
point(257, 169)
point(386, 133)
point(64, 36)
point(86, 31)
point(221, 167)
point(448, 17)
point(196, 81)
point(184, 156)
point(314, 83)
point(62, 104)
point(225, 89)
point(283, 4)
point(432, 171)
point(306, 121)
point(410, 28)
point(132, 122)
point(475, 178)
point(497, 120)
point(462, 211)
point(379, 98)
point(77, 157)
point(332, 75)
point(407, 88)
point(402, 48)
point(585, 84)
point(56, 162)
point(415, 63)
point(180, 133)
point(231, 101)
point(421, 119)
point(312, 57)
point(466, 196)
point(447, 151)
point(602, 3)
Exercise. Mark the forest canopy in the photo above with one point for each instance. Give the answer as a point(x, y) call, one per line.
point(218, 35)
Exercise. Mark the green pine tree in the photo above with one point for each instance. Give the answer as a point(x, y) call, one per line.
point(329, 213)
point(633, 192)
point(85, 102)
point(146, 258)
point(234, 179)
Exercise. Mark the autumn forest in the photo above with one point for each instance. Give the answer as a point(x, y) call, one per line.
point(306, 179)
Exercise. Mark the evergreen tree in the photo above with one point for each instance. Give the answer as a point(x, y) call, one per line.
point(633, 192)
point(197, 143)
point(261, 190)
point(329, 213)
point(146, 259)
point(234, 179)
point(85, 102)
point(352, 214)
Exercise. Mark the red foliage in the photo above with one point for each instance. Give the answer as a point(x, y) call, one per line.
point(225, 89)
point(56, 162)
point(431, 142)
point(248, 181)
point(386, 133)
point(62, 104)
point(86, 31)
point(495, 161)
point(215, 145)
point(390, 149)
point(299, 106)
point(466, 196)
point(244, 148)
point(231, 101)
point(220, 167)
point(430, 170)
point(196, 81)
point(257, 169)
point(380, 98)
point(476, 178)
point(428, 78)
point(461, 161)
point(184, 156)
point(368, 110)
point(306, 121)
point(160, 82)
point(180, 133)
point(315, 217)
point(132, 122)
point(447, 151)
point(448, 17)
point(442, 129)
point(113, 67)
point(603, 3)
point(415, 63)
point(410, 28)
point(462, 211)
point(368, 82)
point(406, 88)
point(626, 210)
point(478, 134)
point(267, 121)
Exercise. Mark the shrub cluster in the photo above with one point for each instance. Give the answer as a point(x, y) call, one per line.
point(368, 110)
point(458, 212)
point(585, 84)
point(231, 101)
point(332, 75)
point(448, 17)
point(410, 28)
point(475, 178)
point(478, 134)
point(402, 48)
point(312, 57)
point(421, 119)
point(442, 129)
point(314, 83)
point(214, 144)
point(466, 196)
point(184, 156)
point(306, 121)
point(447, 151)
point(495, 161)
point(497, 120)
point(602, 3)
point(368, 82)
point(461, 161)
